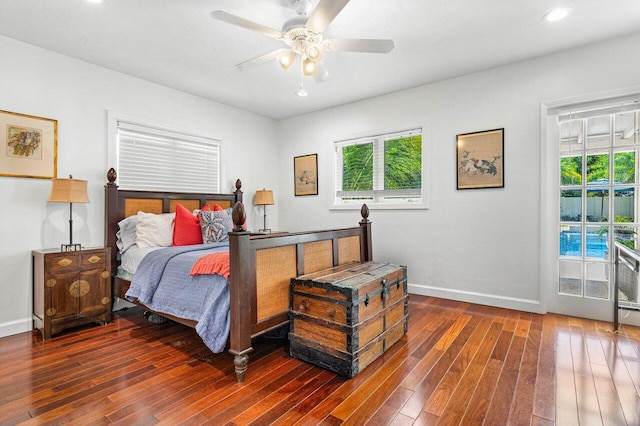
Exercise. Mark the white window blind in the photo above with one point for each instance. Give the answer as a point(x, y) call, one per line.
point(381, 170)
point(596, 108)
point(162, 160)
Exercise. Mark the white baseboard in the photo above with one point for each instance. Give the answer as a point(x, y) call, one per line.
point(15, 327)
point(26, 325)
point(526, 305)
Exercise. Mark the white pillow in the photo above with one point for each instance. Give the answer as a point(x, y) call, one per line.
point(126, 235)
point(154, 230)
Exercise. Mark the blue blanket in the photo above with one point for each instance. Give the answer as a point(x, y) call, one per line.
point(163, 283)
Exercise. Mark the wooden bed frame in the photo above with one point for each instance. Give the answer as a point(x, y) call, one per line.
point(261, 265)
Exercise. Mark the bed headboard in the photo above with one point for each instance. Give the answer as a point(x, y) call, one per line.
point(119, 204)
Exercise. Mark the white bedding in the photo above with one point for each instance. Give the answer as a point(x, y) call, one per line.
point(131, 258)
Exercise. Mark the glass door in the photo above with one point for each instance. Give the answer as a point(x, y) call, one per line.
point(598, 204)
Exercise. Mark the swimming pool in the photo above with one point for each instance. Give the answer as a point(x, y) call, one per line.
point(597, 244)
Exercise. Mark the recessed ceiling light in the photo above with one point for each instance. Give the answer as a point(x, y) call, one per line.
point(95, 1)
point(556, 14)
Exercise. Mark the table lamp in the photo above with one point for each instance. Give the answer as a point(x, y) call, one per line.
point(69, 191)
point(264, 198)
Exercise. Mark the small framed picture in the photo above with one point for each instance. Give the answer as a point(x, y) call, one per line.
point(29, 146)
point(305, 173)
point(480, 159)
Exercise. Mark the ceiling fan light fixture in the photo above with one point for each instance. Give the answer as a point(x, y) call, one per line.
point(287, 59)
point(303, 37)
point(309, 68)
point(314, 53)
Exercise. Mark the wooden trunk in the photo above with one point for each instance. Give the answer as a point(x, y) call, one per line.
point(345, 317)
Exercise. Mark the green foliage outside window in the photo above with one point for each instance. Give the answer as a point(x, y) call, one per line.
point(357, 171)
point(571, 171)
point(402, 165)
point(624, 167)
point(598, 168)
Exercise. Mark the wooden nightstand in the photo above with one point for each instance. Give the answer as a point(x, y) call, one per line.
point(70, 288)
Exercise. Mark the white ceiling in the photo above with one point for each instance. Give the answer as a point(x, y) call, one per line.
point(177, 44)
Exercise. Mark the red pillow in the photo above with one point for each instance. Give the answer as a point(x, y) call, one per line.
point(186, 230)
point(217, 208)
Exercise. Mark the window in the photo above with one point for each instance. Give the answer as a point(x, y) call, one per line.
point(153, 158)
point(384, 171)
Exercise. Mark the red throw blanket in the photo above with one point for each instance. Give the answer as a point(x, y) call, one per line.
point(213, 263)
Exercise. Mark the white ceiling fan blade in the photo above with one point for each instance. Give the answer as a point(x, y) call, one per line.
point(241, 22)
point(359, 45)
point(262, 59)
point(324, 13)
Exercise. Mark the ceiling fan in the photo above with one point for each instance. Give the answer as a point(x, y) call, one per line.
point(303, 37)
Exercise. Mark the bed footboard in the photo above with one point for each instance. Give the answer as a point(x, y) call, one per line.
point(262, 267)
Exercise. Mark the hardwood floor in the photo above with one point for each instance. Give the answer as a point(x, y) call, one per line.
point(458, 364)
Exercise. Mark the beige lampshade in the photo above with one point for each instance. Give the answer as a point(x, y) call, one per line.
point(264, 197)
point(68, 191)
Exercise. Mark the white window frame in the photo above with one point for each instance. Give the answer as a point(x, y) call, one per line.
point(378, 202)
point(117, 122)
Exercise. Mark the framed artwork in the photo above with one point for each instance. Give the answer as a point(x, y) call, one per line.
point(305, 173)
point(480, 159)
point(29, 146)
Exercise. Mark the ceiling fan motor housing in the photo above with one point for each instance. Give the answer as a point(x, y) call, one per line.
point(299, 37)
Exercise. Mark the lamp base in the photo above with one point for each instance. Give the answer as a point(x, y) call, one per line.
point(264, 231)
point(70, 247)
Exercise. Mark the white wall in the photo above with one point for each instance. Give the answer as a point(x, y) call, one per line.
point(474, 245)
point(39, 82)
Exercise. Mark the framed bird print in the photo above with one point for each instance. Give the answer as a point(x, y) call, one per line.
point(480, 159)
point(305, 172)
